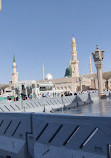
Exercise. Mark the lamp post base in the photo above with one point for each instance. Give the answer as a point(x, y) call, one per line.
point(102, 96)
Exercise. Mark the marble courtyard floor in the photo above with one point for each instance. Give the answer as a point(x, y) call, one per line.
point(98, 108)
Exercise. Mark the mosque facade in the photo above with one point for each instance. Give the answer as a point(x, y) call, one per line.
point(71, 81)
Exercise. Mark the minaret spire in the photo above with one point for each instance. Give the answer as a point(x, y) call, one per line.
point(73, 46)
point(74, 62)
point(90, 63)
point(14, 73)
point(14, 59)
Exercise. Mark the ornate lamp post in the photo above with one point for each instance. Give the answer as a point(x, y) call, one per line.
point(98, 59)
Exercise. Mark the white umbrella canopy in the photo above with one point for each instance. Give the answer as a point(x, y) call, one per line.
point(3, 86)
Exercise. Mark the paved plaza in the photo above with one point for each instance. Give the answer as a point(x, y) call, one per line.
point(98, 108)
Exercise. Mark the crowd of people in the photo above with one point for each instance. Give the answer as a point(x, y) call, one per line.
point(48, 95)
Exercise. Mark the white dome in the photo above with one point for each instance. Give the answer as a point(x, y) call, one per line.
point(49, 76)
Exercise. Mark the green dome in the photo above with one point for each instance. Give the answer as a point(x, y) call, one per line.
point(68, 72)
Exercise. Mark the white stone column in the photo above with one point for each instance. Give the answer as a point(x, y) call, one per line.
point(1, 91)
point(98, 59)
point(73, 87)
point(100, 78)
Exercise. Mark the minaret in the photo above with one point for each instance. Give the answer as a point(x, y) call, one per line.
point(43, 72)
point(74, 62)
point(74, 52)
point(90, 64)
point(0, 5)
point(14, 73)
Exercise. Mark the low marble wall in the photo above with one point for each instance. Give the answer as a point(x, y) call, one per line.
point(13, 135)
point(29, 135)
point(45, 104)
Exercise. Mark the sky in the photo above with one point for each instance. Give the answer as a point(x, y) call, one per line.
point(39, 32)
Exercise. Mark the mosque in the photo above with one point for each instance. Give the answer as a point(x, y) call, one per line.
point(71, 81)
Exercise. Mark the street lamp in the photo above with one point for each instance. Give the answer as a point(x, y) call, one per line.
point(98, 59)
